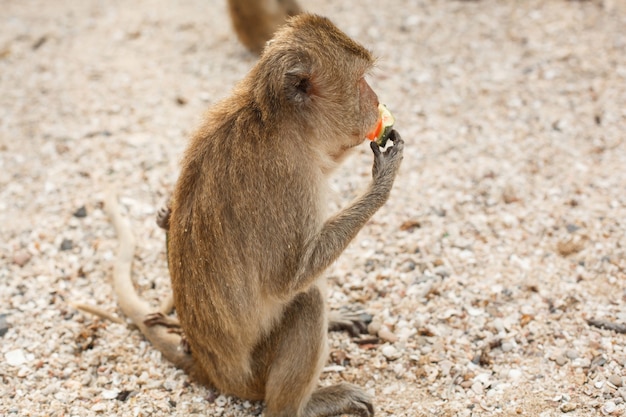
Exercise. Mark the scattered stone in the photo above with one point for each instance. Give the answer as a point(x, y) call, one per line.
point(410, 225)
point(110, 394)
point(571, 228)
point(571, 354)
point(581, 363)
point(407, 266)
point(609, 407)
point(561, 360)
point(123, 395)
point(515, 374)
point(605, 324)
point(509, 194)
point(15, 357)
point(498, 324)
point(615, 380)
point(478, 388)
point(86, 379)
point(568, 407)
point(21, 257)
point(507, 347)
point(99, 407)
point(4, 326)
point(441, 271)
point(81, 212)
point(570, 246)
point(390, 352)
point(67, 244)
point(445, 367)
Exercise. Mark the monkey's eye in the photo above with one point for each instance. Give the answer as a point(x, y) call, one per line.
point(304, 85)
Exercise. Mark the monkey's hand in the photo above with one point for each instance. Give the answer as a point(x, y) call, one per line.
point(386, 164)
point(163, 217)
point(172, 325)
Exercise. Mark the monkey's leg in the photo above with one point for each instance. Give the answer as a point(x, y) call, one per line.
point(353, 321)
point(299, 351)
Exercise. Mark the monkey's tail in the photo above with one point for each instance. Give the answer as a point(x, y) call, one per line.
point(131, 304)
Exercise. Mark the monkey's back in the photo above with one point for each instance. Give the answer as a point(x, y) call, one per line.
point(242, 211)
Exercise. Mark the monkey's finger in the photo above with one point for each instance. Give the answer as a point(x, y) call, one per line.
point(375, 148)
point(394, 136)
point(398, 146)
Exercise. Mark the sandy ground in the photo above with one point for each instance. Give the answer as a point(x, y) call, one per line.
point(504, 235)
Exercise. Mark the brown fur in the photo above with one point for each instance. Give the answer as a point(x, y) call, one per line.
point(255, 21)
point(248, 234)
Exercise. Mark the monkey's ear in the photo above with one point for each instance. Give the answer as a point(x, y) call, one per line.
point(299, 86)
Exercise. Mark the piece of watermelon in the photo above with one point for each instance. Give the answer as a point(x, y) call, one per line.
point(383, 127)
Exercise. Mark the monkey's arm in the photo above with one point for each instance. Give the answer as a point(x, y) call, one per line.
point(136, 309)
point(337, 232)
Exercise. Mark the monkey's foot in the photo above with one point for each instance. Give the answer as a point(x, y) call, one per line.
point(163, 217)
point(158, 319)
point(354, 321)
point(340, 399)
point(172, 325)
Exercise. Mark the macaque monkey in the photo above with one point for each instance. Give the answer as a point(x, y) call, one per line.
point(255, 21)
point(249, 236)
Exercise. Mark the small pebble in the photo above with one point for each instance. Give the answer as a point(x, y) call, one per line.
point(67, 244)
point(616, 380)
point(110, 394)
point(15, 357)
point(4, 326)
point(21, 258)
point(81, 212)
point(561, 360)
point(478, 388)
point(441, 271)
point(445, 367)
point(568, 407)
point(390, 352)
point(581, 363)
point(571, 354)
point(571, 228)
point(221, 401)
point(515, 374)
point(498, 324)
point(86, 379)
point(99, 407)
point(609, 407)
point(507, 347)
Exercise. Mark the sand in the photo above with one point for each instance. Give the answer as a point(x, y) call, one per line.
point(504, 234)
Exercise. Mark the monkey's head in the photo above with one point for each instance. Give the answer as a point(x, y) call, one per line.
point(311, 76)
